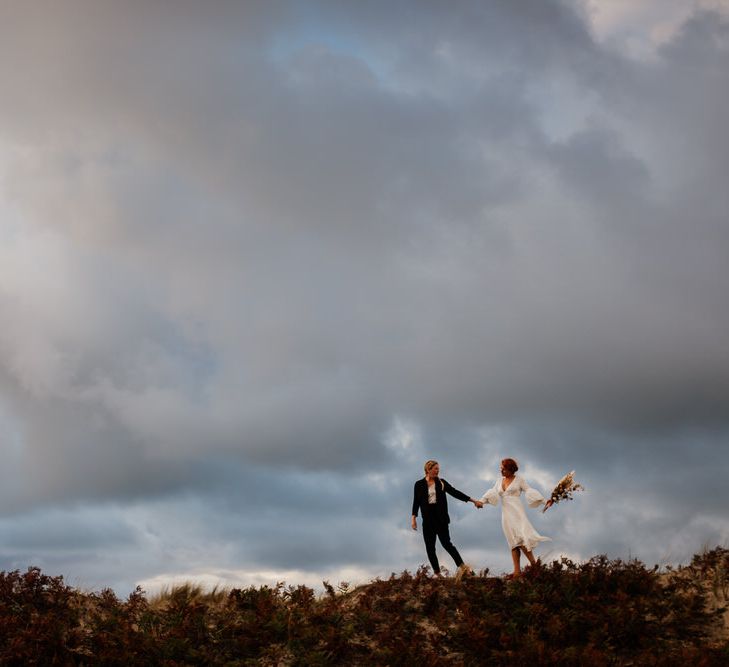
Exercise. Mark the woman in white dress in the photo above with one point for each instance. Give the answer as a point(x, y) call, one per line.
point(520, 534)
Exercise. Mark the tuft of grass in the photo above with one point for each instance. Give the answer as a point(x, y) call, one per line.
point(189, 592)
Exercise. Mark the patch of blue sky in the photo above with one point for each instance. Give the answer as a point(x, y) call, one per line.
point(311, 32)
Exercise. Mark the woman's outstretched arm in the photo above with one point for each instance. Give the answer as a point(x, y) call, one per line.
point(533, 497)
point(491, 497)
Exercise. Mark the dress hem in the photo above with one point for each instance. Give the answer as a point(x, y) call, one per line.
point(530, 544)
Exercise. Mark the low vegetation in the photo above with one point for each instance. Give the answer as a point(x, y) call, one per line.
point(601, 612)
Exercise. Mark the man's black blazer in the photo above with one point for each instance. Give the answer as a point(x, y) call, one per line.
point(420, 498)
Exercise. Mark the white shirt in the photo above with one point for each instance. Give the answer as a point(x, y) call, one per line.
point(431, 495)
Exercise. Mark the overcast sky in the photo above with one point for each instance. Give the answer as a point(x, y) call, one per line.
point(260, 260)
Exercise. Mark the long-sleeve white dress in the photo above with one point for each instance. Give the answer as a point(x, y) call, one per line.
point(517, 529)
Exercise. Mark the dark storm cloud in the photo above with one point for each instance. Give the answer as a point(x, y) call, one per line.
point(241, 244)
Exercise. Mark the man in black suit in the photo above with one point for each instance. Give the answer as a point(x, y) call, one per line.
point(429, 496)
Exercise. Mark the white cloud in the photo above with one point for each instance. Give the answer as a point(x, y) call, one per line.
point(641, 27)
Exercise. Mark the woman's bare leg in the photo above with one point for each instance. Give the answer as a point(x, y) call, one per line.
point(516, 558)
point(529, 555)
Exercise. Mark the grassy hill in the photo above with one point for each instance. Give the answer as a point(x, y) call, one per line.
point(601, 612)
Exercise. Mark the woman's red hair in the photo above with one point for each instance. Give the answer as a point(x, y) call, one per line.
point(510, 465)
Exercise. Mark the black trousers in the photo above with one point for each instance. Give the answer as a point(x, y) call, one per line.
point(432, 528)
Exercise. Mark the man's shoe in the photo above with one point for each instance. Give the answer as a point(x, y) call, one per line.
point(463, 569)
